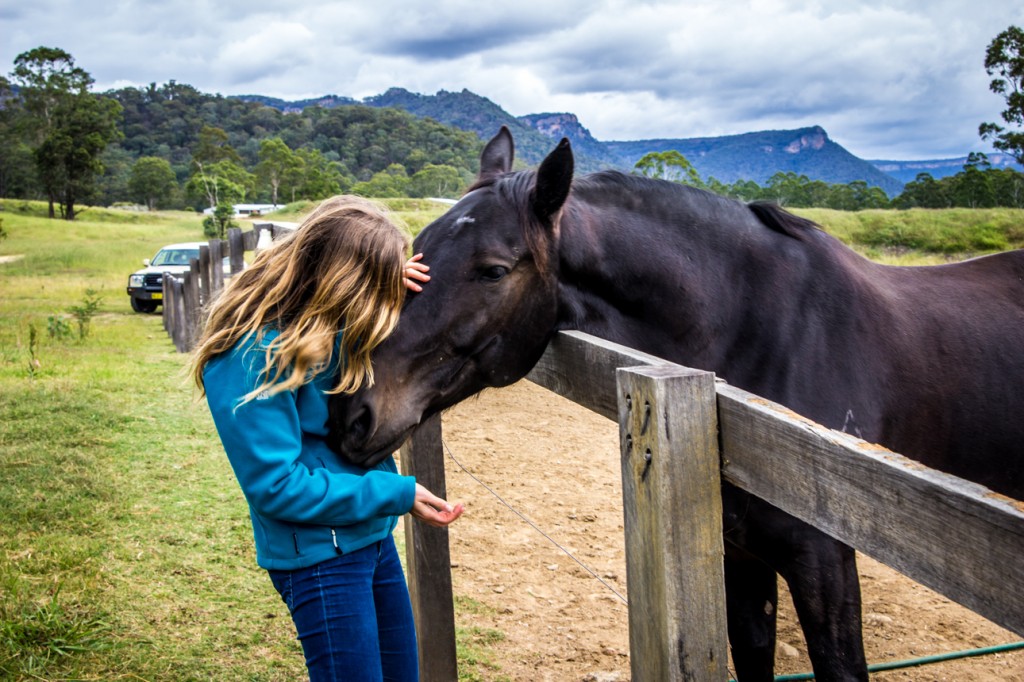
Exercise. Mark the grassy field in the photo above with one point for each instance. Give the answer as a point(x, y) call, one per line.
point(125, 546)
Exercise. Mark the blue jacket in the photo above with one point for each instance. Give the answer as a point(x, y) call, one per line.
point(306, 503)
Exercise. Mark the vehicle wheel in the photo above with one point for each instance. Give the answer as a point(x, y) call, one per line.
point(143, 306)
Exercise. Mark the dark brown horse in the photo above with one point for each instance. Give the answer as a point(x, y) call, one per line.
point(928, 361)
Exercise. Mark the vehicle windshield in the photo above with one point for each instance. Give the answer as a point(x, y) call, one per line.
point(174, 256)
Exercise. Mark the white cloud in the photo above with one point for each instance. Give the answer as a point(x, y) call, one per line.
point(886, 78)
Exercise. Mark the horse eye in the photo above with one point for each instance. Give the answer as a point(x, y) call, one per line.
point(493, 273)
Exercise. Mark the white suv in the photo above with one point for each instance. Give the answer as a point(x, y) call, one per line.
point(146, 288)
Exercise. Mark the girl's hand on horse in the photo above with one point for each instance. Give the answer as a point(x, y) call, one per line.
point(432, 510)
point(415, 270)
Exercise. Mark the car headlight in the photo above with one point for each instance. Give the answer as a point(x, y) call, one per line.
point(135, 281)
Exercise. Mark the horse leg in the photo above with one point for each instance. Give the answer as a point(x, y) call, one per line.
point(822, 577)
point(826, 593)
point(751, 596)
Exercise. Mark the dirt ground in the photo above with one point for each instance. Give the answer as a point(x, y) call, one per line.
point(558, 465)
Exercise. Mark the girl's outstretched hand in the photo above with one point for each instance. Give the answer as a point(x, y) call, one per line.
point(432, 510)
point(415, 270)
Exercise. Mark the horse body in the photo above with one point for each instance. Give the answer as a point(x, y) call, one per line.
point(791, 314)
point(922, 360)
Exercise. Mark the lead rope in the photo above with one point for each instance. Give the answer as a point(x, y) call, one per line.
point(532, 524)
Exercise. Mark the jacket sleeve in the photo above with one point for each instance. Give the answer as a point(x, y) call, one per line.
point(263, 441)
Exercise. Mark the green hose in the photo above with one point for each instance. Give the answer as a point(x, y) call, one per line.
point(924, 660)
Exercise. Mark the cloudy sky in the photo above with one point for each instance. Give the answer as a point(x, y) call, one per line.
point(888, 79)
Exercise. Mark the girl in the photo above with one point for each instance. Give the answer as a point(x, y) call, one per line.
point(296, 327)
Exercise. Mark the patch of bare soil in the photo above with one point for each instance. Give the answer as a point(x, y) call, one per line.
point(558, 464)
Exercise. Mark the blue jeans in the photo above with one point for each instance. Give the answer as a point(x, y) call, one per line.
point(353, 616)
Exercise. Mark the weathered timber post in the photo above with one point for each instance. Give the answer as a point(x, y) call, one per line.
point(205, 282)
point(216, 267)
point(180, 333)
point(190, 288)
point(428, 559)
point(168, 301)
point(673, 524)
point(236, 249)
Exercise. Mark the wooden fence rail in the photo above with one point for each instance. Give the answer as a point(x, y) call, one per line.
point(957, 538)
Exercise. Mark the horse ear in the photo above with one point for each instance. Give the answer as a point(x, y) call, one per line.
point(554, 178)
point(497, 156)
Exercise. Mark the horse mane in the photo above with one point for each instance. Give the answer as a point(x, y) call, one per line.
point(776, 218)
point(769, 214)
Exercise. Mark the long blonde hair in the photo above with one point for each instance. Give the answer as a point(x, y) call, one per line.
point(340, 270)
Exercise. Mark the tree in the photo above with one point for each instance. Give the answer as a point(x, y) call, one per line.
point(923, 191)
point(788, 188)
point(217, 172)
point(321, 178)
point(390, 182)
point(218, 223)
point(972, 187)
point(277, 164)
point(16, 162)
point(1004, 59)
point(668, 165)
point(68, 126)
point(223, 182)
point(213, 147)
point(1008, 187)
point(152, 181)
point(436, 181)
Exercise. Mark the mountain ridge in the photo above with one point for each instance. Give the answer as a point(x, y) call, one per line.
point(753, 156)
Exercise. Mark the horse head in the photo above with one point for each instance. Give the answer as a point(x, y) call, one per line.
point(484, 318)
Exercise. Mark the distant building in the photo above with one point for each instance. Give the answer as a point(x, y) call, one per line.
point(249, 210)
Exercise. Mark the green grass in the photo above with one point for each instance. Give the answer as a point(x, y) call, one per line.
point(957, 232)
point(125, 545)
point(411, 214)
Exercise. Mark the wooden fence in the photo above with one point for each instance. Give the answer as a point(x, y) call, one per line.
point(185, 296)
point(676, 426)
point(682, 432)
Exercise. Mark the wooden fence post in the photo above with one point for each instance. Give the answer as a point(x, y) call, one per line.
point(236, 249)
point(168, 301)
point(180, 315)
point(190, 288)
point(428, 560)
point(673, 524)
point(216, 267)
point(205, 282)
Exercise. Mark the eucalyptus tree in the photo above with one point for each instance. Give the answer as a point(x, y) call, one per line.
point(152, 181)
point(1004, 59)
point(66, 126)
point(278, 164)
point(668, 165)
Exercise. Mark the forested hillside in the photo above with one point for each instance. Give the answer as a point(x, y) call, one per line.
point(350, 142)
point(174, 146)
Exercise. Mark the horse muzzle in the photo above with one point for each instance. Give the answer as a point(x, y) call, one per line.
point(359, 435)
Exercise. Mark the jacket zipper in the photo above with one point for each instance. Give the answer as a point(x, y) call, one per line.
point(334, 537)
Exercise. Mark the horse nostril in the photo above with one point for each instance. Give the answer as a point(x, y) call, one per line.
point(360, 425)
